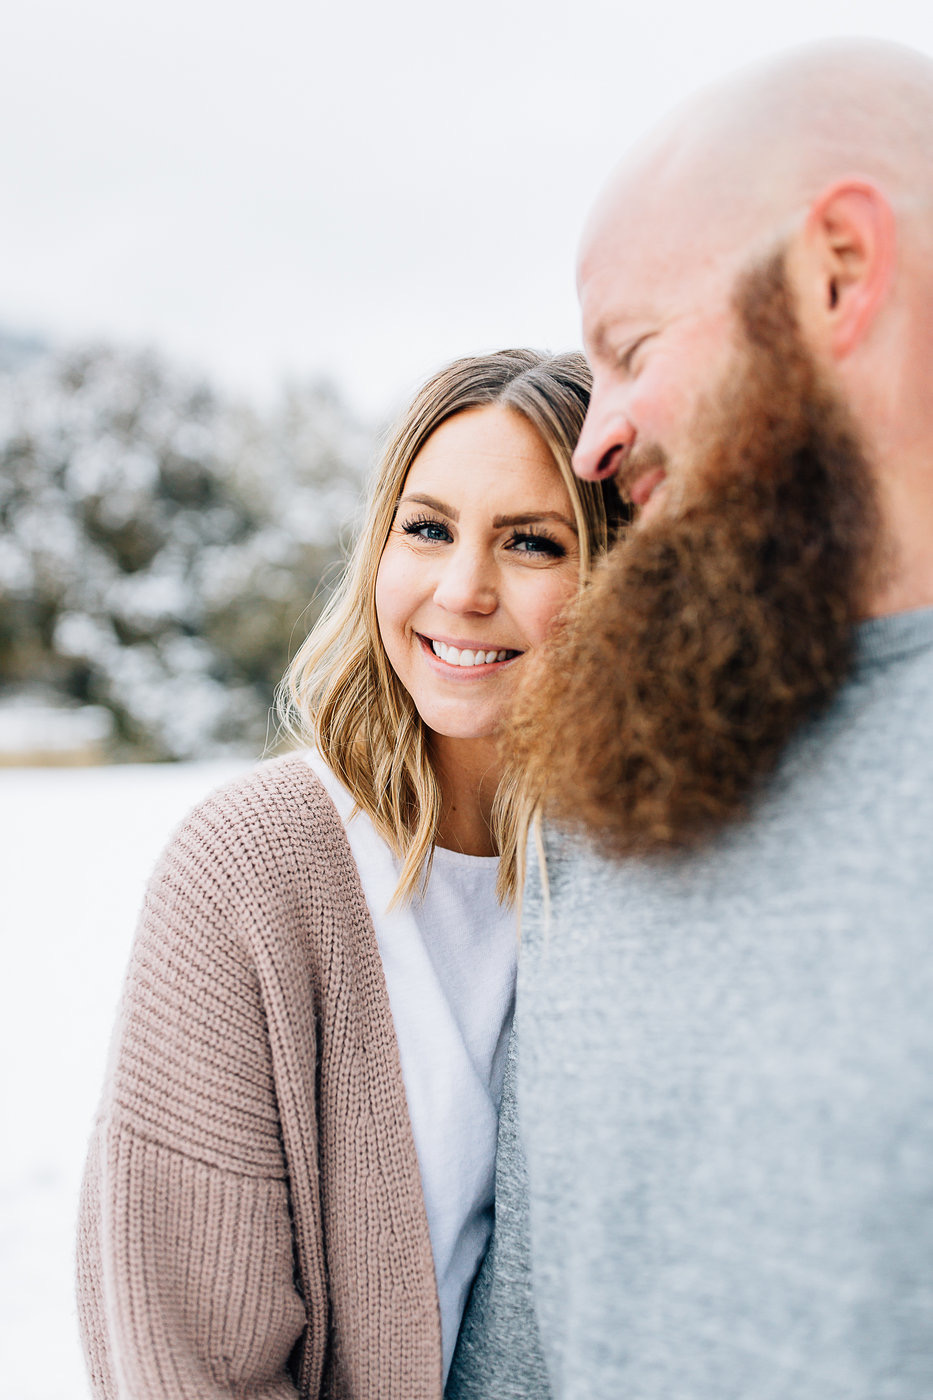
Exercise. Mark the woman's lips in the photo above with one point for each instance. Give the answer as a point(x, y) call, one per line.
point(472, 656)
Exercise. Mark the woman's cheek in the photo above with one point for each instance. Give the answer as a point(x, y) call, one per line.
point(561, 589)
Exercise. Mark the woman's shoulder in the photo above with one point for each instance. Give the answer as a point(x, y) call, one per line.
point(279, 796)
point(260, 832)
point(227, 953)
point(274, 784)
point(258, 876)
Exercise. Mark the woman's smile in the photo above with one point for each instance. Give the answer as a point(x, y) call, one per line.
point(481, 657)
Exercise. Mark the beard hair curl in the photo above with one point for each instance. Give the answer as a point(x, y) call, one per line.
point(706, 637)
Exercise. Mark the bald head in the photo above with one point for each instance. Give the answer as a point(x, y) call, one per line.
point(821, 158)
point(747, 154)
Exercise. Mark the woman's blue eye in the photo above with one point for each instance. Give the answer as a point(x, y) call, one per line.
point(534, 543)
point(427, 530)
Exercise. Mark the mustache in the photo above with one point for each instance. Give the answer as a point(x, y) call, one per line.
point(634, 464)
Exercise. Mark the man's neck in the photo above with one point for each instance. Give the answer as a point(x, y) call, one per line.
point(905, 574)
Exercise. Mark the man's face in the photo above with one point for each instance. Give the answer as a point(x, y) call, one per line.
point(659, 332)
point(718, 625)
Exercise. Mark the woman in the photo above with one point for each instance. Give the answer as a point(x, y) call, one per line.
point(290, 1183)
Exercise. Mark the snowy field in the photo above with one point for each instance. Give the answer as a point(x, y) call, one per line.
point(76, 848)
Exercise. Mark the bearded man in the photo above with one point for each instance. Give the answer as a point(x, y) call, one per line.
point(715, 1173)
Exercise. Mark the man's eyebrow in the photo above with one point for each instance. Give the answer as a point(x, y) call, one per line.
point(606, 337)
point(596, 339)
point(533, 517)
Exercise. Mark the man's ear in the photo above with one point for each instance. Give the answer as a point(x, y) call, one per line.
point(846, 260)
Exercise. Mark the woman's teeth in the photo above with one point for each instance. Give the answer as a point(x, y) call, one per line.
point(454, 657)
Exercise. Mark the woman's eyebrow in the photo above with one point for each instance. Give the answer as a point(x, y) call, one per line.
point(433, 504)
point(532, 517)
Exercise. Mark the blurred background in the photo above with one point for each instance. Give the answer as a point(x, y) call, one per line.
point(233, 240)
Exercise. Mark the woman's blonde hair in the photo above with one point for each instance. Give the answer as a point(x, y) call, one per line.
point(340, 691)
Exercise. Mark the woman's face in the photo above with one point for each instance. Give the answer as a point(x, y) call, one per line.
point(482, 554)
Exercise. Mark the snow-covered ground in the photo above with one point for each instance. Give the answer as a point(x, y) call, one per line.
point(76, 848)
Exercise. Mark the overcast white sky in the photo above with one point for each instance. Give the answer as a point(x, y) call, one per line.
point(361, 190)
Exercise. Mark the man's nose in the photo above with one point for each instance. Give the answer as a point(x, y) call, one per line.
point(604, 440)
point(467, 582)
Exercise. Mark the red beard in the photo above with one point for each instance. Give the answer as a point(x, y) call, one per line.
point(707, 637)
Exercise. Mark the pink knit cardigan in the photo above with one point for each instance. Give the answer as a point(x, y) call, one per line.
point(252, 1222)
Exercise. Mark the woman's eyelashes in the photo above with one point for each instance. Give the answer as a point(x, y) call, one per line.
point(535, 542)
point(426, 529)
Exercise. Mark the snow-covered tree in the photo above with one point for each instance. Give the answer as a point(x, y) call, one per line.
point(160, 544)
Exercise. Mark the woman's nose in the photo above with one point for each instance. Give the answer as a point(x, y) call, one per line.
point(467, 582)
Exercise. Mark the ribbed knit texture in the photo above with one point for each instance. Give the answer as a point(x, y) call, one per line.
point(252, 1220)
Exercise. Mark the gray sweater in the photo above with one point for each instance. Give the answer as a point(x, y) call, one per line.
point(725, 1091)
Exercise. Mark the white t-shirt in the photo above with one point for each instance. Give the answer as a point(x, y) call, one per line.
point(449, 960)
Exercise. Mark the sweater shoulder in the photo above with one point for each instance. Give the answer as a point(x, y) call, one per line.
point(237, 932)
point(280, 803)
point(258, 842)
point(274, 784)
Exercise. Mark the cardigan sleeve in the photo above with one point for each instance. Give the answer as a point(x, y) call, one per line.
point(187, 1283)
point(185, 1277)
